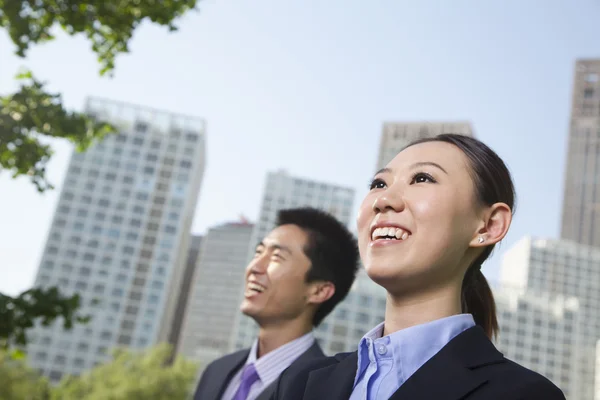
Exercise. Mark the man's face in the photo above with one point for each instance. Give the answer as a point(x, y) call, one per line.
point(276, 289)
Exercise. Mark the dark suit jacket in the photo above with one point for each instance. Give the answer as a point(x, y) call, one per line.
point(217, 375)
point(469, 367)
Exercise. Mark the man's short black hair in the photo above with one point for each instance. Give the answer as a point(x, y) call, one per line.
point(332, 250)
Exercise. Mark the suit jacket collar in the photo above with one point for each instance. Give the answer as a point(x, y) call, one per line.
point(229, 365)
point(449, 375)
point(313, 352)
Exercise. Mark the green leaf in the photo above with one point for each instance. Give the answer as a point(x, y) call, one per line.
point(32, 113)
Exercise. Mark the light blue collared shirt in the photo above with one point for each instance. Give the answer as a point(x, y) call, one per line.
point(269, 366)
point(385, 363)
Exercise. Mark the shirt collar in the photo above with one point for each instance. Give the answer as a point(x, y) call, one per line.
point(272, 364)
point(412, 347)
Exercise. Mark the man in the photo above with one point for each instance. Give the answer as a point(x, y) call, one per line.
point(299, 273)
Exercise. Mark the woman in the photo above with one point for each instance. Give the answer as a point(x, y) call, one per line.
point(429, 221)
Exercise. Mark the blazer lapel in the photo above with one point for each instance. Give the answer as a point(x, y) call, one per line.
point(336, 380)
point(452, 373)
point(225, 369)
point(313, 352)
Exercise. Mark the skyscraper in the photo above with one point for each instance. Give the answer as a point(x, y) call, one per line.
point(215, 293)
point(562, 268)
point(285, 191)
point(120, 235)
point(397, 135)
point(183, 292)
point(581, 204)
point(542, 331)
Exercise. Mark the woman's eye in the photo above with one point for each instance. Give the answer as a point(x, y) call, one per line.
point(376, 184)
point(422, 177)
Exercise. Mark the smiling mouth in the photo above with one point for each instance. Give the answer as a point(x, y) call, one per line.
point(253, 289)
point(389, 233)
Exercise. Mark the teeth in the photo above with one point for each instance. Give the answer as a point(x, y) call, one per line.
point(255, 286)
point(380, 233)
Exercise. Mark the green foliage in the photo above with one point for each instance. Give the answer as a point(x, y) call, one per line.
point(31, 112)
point(18, 314)
point(19, 382)
point(132, 376)
point(108, 24)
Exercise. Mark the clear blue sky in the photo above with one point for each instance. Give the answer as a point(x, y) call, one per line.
point(305, 85)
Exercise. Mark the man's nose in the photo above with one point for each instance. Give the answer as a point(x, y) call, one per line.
point(259, 264)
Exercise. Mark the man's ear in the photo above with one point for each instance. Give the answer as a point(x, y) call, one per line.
point(494, 226)
point(320, 292)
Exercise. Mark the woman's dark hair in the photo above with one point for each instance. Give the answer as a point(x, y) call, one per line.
point(493, 184)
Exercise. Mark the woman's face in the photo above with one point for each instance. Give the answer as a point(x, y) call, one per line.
point(419, 222)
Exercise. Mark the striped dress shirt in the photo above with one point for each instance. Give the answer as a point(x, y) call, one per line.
point(269, 366)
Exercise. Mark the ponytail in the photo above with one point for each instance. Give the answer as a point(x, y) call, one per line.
point(477, 297)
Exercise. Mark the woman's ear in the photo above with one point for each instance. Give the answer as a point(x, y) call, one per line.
point(497, 220)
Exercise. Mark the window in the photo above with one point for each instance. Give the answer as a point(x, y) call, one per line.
point(124, 339)
point(191, 137)
point(55, 375)
point(186, 164)
point(592, 77)
point(588, 93)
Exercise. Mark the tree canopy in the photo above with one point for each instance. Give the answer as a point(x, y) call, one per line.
point(19, 382)
point(31, 112)
point(132, 376)
point(18, 314)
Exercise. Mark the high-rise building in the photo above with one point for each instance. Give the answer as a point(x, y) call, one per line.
point(283, 191)
point(215, 294)
point(120, 235)
point(397, 135)
point(581, 203)
point(184, 290)
point(542, 332)
point(562, 267)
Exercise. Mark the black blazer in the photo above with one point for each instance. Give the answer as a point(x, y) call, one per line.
point(468, 367)
point(217, 375)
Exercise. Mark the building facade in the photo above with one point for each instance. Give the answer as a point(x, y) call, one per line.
point(562, 268)
point(397, 135)
point(214, 297)
point(581, 203)
point(542, 332)
point(183, 292)
point(282, 191)
point(120, 235)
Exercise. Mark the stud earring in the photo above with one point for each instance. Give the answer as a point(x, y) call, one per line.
point(481, 239)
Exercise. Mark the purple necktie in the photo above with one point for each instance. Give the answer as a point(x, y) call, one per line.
point(249, 376)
